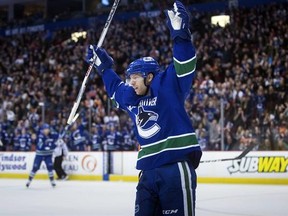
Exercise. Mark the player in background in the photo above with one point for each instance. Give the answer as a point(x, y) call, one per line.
point(45, 145)
point(169, 152)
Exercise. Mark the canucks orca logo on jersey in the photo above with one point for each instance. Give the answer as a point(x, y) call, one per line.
point(143, 117)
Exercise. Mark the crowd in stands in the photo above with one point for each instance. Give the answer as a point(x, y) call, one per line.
point(242, 68)
point(40, 17)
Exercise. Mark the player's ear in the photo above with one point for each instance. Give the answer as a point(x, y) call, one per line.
point(149, 78)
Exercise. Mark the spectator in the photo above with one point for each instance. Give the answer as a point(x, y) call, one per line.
point(77, 141)
point(22, 140)
point(214, 135)
point(96, 139)
point(112, 119)
point(238, 64)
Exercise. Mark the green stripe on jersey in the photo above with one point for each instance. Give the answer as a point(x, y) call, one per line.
point(186, 67)
point(188, 189)
point(171, 143)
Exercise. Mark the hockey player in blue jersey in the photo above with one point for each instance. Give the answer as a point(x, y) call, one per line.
point(169, 152)
point(45, 145)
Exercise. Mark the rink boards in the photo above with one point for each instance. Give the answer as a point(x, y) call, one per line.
point(269, 167)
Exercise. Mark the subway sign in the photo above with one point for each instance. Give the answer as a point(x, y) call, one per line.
point(260, 164)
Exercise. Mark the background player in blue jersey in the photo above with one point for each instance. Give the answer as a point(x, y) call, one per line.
point(169, 152)
point(45, 145)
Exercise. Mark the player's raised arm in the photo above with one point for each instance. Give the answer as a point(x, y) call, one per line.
point(115, 87)
point(183, 50)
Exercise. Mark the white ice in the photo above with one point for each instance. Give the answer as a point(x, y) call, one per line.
point(87, 198)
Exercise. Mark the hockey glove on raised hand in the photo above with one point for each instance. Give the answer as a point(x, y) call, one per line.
point(103, 60)
point(178, 21)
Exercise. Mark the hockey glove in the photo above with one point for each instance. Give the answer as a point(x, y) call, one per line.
point(103, 60)
point(178, 21)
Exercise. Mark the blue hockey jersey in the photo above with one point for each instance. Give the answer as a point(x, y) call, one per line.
point(46, 144)
point(164, 129)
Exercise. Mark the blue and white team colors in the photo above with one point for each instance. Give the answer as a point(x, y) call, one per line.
point(160, 142)
point(169, 150)
point(78, 140)
point(165, 134)
point(45, 145)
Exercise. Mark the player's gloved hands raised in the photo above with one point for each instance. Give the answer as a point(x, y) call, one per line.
point(103, 60)
point(178, 21)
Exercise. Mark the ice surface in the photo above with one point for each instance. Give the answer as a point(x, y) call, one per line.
point(242, 200)
point(97, 198)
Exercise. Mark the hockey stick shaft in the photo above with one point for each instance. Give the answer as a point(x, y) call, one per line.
point(73, 116)
point(107, 24)
point(64, 132)
point(243, 154)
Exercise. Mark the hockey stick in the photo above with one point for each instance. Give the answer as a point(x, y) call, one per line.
point(243, 154)
point(67, 127)
point(73, 116)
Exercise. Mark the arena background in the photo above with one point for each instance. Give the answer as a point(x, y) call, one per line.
point(239, 97)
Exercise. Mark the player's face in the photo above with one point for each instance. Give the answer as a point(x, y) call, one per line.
point(137, 82)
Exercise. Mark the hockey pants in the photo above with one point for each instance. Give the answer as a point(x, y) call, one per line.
point(167, 190)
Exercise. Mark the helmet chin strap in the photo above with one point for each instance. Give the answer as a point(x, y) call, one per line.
point(147, 84)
